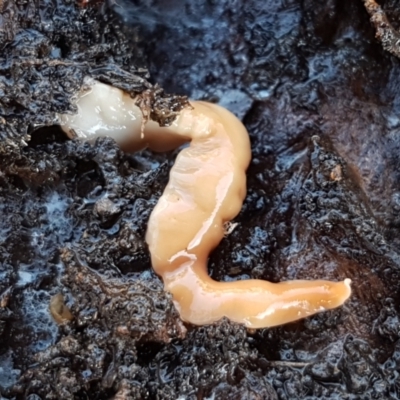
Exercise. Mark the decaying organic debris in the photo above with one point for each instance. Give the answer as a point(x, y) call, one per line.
point(385, 32)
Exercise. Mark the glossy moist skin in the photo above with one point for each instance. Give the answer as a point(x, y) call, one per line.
point(206, 189)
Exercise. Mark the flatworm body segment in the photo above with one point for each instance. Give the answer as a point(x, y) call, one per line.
point(206, 189)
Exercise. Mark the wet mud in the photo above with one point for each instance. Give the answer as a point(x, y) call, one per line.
point(320, 99)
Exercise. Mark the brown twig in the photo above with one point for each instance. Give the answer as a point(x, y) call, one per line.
point(384, 31)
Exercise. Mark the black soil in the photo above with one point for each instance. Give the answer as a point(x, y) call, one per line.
point(321, 101)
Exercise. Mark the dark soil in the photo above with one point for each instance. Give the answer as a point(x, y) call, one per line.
point(321, 101)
